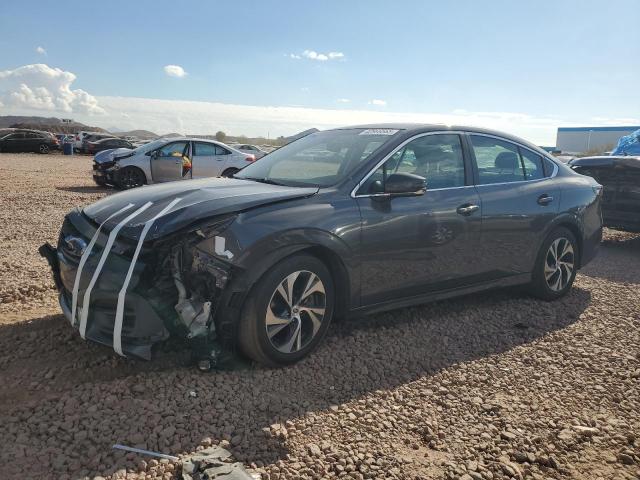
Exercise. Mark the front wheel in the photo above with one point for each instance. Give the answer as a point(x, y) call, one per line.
point(287, 312)
point(556, 265)
point(130, 177)
point(43, 148)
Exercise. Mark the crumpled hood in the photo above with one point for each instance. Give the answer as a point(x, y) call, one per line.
point(193, 201)
point(108, 155)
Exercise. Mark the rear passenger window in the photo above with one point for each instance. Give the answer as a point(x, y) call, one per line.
point(497, 161)
point(532, 164)
point(204, 149)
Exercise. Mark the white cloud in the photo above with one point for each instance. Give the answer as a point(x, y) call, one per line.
point(40, 87)
point(41, 51)
point(191, 117)
point(30, 89)
point(320, 57)
point(378, 103)
point(343, 100)
point(175, 71)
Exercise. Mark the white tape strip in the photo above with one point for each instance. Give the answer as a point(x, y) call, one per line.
point(83, 260)
point(105, 253)
point(117, 326)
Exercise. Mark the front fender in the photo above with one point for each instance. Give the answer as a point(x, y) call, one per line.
point(142, 162)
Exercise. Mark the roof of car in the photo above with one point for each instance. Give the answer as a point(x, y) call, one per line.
point(606, 161)
point(428, 127)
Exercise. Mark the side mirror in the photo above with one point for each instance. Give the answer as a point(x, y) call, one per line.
point(405, 184)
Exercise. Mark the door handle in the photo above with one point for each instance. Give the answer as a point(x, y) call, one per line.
point(545, 199)
point(467, 209)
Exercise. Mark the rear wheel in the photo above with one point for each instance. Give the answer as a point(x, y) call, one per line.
point(230, 172)
point(556, 265)
point(130, 177)
point(43, 148)
point(287, 312)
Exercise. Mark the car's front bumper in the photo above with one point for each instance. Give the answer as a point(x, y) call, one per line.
point(148, 308)
point(104, 173)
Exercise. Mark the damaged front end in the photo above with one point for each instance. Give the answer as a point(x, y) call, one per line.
point(129, 294)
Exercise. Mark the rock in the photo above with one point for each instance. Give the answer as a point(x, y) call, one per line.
point(626, 459)
point(314, 450)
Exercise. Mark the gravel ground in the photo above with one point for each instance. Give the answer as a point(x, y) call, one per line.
point(494, 385)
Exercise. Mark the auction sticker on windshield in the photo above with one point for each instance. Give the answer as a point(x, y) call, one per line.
point(379, 131)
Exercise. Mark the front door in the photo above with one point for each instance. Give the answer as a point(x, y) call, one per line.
point(171, 162)
point(518, 203)
point(419, 244)
point(15, 142)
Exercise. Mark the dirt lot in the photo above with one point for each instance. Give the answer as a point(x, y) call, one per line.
point(494, 385)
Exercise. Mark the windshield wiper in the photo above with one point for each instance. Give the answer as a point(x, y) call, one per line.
point(263, 180)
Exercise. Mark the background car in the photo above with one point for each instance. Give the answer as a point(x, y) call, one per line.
point(254, 150)
point(167, 160)
point(96, 146)
point(29, 141)
point(620, 177)
point(80, 136)
point(92, 138)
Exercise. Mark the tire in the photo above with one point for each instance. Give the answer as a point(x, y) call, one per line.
point(43, 148)
point(99, 182)
point(552, 278)
point(130, 177)
point(230, 172)
point(295, 328)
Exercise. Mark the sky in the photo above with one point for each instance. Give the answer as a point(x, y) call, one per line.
point(274, 68)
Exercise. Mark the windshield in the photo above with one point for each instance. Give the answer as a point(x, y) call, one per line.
point(321, 159)
point(151, 145)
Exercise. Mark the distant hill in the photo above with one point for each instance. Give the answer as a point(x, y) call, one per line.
point(141, 134)
point(48, 124)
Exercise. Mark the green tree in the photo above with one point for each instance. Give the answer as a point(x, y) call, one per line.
point(221, 136)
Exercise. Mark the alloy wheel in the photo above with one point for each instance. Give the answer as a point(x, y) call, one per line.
point(296, 311)
point(44, 148)
point(559, 264)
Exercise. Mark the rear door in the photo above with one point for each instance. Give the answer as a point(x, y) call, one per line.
point(205, 161)
point(225, 159)
point(32, 141)
point(171, 162)
point(519, 200)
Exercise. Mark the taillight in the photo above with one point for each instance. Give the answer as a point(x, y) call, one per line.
point(250, 158)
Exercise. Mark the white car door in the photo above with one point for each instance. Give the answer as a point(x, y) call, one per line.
point(168, 163)
point(205, 161)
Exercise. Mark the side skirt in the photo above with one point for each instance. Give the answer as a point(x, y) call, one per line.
point(519, 279)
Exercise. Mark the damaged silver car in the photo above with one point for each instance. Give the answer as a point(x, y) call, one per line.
point(351, 220)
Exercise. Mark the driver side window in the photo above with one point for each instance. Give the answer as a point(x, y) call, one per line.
point(438, 158)
point(176, 149)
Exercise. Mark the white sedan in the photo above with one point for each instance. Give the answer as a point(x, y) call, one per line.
point(166, 160)
point(257, 152)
